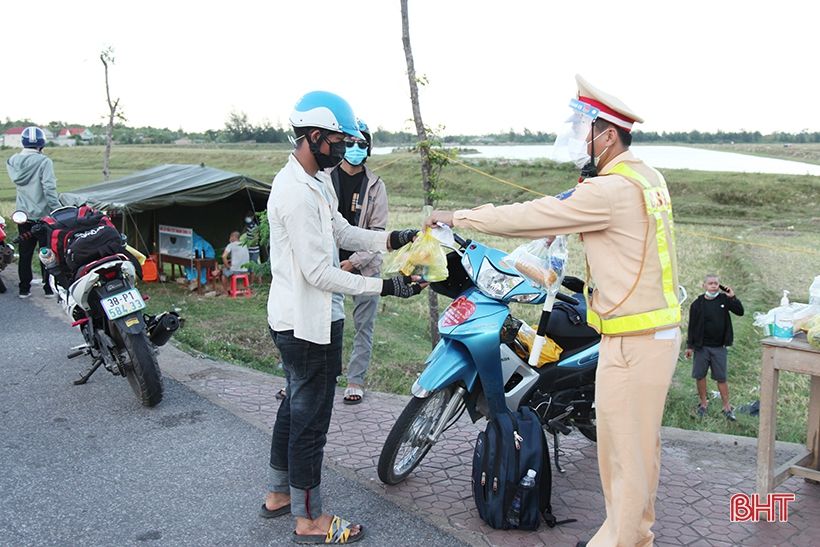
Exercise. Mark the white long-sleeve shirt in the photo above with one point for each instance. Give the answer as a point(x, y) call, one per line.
point(306, 230)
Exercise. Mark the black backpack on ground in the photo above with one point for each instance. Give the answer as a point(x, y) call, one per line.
point(511, 444)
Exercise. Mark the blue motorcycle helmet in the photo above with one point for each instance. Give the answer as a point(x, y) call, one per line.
point(325, 110)
point(33, 137)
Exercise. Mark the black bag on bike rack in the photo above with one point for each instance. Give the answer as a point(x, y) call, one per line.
point(511, 444)
point(86, 246)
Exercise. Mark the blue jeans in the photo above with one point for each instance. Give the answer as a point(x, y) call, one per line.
point(303, 419)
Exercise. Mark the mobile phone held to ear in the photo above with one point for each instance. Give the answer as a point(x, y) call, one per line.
point(724, 288)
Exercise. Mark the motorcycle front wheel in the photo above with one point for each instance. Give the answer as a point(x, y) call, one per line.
point(142, 370)
point(408, 441)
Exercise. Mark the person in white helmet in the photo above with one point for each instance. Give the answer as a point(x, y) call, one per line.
point(32, 172)
point(306, 312)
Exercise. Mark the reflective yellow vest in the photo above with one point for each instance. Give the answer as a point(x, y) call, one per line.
point(659, 206)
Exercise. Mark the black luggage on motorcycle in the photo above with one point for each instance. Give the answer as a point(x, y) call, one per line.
point(511, 444)
point(86, 246)
point(63, 224)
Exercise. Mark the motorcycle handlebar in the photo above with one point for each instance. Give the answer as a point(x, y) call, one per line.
point(458, 239)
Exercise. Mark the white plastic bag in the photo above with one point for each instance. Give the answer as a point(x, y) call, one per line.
point(541, 262)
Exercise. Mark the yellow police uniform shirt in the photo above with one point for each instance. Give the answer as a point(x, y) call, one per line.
point(609, 212)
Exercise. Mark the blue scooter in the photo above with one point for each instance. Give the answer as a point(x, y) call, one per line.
point(478, 347)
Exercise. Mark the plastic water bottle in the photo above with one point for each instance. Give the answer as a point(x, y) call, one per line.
point(47, 258)
point(784, 319)
point(514, 512)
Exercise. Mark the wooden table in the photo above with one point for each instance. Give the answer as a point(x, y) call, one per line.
point(196, 263)
point(794, 356)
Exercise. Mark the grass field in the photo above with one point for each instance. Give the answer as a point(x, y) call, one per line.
point(761, 233)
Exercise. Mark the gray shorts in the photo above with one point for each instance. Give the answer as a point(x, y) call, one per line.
point(708, 357)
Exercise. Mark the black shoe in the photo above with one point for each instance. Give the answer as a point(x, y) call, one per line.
point(25, 294)
point(730, 414)
point(581, 544)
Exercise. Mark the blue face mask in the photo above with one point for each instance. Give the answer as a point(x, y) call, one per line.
point(355, 155)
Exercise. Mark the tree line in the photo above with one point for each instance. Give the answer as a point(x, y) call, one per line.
point(238, 128)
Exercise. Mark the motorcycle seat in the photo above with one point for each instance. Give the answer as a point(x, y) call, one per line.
point(104, 260)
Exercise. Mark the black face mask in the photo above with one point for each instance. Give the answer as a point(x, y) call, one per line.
point(326, 161)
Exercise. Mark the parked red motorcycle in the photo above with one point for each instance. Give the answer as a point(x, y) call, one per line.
point(6, 252)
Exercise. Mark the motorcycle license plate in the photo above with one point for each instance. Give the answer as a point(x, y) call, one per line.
point(123, 303)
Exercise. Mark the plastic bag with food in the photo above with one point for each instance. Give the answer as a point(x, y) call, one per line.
point(424, 257)
point(541, 261)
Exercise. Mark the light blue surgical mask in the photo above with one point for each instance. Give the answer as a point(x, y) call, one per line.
point(355, 155)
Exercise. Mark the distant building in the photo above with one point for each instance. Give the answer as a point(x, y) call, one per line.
point(183, 141)
point(12, 137)
point(68, 136)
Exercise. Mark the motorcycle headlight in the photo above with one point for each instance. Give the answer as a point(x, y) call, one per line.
point(493, 283)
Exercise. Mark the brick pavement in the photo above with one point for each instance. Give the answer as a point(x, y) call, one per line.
point(699, 471)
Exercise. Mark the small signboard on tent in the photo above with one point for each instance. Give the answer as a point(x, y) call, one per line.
point(176, 241)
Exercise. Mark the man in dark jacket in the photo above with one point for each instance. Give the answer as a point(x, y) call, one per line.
point(710, 334)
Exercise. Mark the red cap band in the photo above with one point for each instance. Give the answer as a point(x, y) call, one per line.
point(604, 108)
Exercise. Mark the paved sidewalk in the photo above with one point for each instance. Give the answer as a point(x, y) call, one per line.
point(699, 470)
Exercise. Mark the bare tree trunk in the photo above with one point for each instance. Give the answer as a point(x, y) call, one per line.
point(105, 57)
point(424, 151)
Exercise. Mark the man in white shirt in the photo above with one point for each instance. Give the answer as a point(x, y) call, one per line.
point(305, 308)
point(238, 255)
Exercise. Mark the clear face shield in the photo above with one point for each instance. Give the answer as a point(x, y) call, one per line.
point(571, 143)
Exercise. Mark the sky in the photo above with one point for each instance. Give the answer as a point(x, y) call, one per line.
point(490, 66)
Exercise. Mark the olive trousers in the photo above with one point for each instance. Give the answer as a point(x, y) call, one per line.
point(633, 377)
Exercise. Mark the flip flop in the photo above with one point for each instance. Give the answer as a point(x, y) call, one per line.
point(350, 393)
point(266, 513)
point(338, 532)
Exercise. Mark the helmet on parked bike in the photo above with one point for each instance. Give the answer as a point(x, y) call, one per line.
point(325, 110)
point(33, 137)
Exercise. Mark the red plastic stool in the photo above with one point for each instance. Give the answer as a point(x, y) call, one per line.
point(245, 290)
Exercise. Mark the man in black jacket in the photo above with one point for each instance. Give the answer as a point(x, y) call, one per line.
point(710, 334)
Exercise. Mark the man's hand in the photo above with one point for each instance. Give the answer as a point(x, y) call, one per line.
point(402, 286)
point(729, 292)
point(346, 265)
point(444, 217)
point(400, 238)
point(688, 353)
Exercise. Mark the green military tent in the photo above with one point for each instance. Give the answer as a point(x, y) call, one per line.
point(210, 201)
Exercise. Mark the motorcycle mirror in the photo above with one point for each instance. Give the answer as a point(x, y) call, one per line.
point(19, 217)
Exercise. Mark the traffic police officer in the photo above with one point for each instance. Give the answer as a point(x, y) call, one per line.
point(622, 210)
